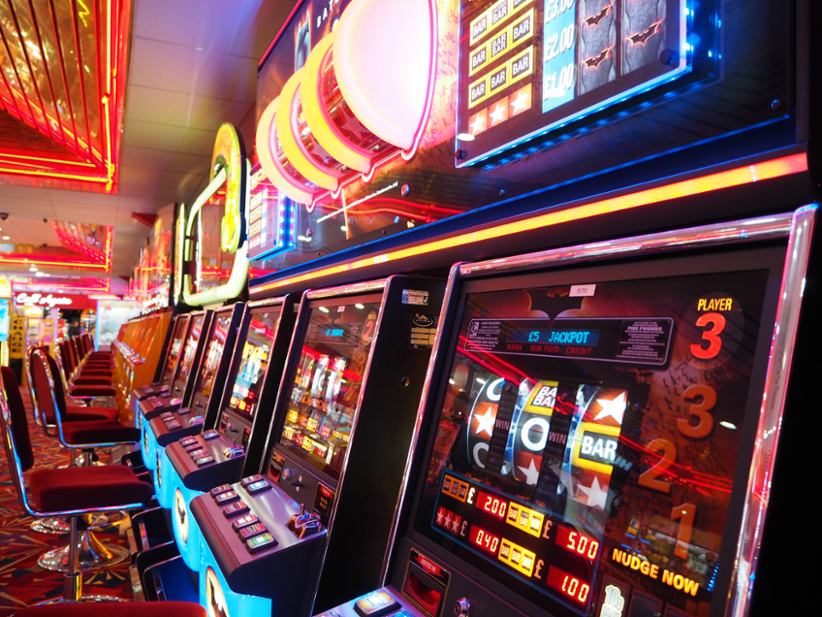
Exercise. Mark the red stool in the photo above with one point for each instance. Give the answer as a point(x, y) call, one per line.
point(80, 436)
point(73, 492)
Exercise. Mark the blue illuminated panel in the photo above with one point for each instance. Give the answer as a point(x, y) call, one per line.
point(528, 67)
point(148, 444)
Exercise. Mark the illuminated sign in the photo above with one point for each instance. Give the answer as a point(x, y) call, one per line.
point(50, 301)
point(229, 174)
point(271, 224)
point(339, 115)
point(592, 55)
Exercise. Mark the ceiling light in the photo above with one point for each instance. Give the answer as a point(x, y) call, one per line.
point(728, 425)
point(466, 137)
point(6, 237)
point(324, 309)
point(359, 306)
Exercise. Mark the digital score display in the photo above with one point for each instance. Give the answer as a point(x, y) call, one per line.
point(531, 66)
point(586, 447)
point(624, 340)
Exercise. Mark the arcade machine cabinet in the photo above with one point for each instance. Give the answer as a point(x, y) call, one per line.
point(603, 422)
point(197, 464)
point(181, 389)
point(209, 384)
point(169, 369)
point(324, 497)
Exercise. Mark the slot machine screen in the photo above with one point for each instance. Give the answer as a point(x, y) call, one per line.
point(190, 349)
point(326, 388)
point(245, 392)
point(590, 432)
point(213, 353)
point(174, 349)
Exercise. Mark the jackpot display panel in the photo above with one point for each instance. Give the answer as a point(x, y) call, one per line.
point(598, 442)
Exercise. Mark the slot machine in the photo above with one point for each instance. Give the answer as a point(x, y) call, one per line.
point(201, 411)
point(169, 366)
point(601, 424)
point(345, 412)
point(181, 388)
point(198, 463)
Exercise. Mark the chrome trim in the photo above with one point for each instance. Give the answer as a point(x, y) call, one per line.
point(772, 410)
point(347, 290)
point(449, 301)
point(745, 230)
point(267, 302)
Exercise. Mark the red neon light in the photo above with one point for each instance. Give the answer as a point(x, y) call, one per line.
point(577, 542)
point(568, 585)
point(280, 32)
point(40, 107)
point(484, 539)
point(493, 505)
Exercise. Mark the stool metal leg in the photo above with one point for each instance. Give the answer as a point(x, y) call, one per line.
point(73, 583)
point(73, 579)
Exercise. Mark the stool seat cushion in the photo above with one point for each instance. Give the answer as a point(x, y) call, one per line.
point(79, 413)
point(87, 488)
point(99, 431)
point(91, 391)
point(83, 381)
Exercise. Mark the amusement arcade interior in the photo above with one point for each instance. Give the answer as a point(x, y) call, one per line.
point(407, 308)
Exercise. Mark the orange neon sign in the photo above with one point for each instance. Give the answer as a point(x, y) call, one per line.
point(738, 176)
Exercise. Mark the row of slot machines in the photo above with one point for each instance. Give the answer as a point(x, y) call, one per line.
point(137, 352)
point(582, 431)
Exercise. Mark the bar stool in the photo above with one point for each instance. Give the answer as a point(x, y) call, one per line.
point(130, 609)
point(73, 492)
point(79, 436)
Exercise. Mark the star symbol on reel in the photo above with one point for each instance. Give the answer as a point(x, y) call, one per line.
point(614, 408)
point(596, 495)
point(485, 422)
point(478, 124)
point(455, 524)
point(439, 517)
point(531, 473)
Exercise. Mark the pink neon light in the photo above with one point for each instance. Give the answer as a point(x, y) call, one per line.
point(377, 65)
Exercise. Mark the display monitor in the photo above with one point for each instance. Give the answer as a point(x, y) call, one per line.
point(528, 67)
point(330, 370)
point(590, 432)
point(213, 353)
point(174, 348)
point(245, 392)
point(190, 349)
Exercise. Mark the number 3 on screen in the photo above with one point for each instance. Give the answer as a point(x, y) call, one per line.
point(713, 324)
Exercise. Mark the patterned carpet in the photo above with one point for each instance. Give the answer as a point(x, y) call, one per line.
point(22, 582)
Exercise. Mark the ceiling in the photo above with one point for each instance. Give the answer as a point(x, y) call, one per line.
point(192, 66)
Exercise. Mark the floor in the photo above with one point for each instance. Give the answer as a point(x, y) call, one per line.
point(22, 582)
